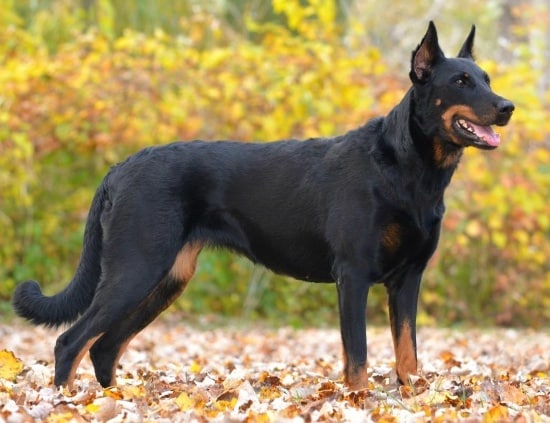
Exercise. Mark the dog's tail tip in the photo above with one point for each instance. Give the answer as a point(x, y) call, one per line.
point(31, 304)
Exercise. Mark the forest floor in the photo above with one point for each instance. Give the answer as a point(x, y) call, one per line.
point(172, 372)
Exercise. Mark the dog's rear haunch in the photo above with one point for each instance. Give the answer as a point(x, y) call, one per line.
point(357, 209)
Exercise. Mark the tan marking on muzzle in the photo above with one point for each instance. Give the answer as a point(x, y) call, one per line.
point(461, 110)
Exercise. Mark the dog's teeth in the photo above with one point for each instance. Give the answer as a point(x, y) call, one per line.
point(465, 125)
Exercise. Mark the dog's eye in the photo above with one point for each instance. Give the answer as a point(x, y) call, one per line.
point(462, 80)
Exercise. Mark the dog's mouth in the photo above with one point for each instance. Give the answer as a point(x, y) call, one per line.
point(478, 135)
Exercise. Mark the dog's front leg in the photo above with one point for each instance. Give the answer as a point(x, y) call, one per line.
point(352, 300)
point(402, 301)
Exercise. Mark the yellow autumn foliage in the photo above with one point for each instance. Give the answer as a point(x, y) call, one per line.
point(68, 114)
point(10, 365)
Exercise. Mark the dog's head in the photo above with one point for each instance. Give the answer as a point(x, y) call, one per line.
point(456, 93)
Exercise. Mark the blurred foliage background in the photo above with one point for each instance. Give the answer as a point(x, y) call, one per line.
point(85, 83)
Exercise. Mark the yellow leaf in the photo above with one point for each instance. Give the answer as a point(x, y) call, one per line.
point(387, 418)
point(195, 367)
point(92, 408)
point(113, 392)
point(258, 418)
point(10, 365)
point(131, 392)
point(224, 405)
point(61, 417)
point(437, 398)
point(184, 402)
point(269, 393)
point(498, 413)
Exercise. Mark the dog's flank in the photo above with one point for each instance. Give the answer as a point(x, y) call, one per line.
point(358, 209)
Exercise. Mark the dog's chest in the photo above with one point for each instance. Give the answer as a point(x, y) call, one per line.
point(410, 235)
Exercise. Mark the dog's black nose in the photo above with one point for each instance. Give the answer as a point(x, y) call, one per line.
point(505, 107)
point(504, 112)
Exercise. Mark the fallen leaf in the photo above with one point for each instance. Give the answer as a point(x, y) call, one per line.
point(113, 392)
point(496, 414)
point(184, 402)
point(10, 365)
point(195, 367)
point(511, 394)
point(106, 408)
point(284, 374)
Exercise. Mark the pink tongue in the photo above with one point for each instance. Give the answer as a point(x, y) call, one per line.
point(487, 134)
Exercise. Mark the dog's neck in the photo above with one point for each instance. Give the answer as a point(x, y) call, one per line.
point(418, 147)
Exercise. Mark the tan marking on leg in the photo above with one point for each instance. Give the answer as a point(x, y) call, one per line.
point(78, 359)
point(393, 329)
point(357, 379)
point(117, 359)
point(182, 270)
point(124, 345)
point(345, 361)
point(405, 357)
point(391, 237)
point(186, 261)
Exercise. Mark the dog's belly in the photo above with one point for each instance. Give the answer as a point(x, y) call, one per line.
point(282, 248)
point(303, 259)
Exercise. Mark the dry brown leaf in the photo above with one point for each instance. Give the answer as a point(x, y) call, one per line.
point(511, 394)
point(257, 375)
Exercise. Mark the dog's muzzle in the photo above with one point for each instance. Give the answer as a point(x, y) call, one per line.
point(505, 109)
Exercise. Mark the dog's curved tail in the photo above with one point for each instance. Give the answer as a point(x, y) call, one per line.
point(64, 307)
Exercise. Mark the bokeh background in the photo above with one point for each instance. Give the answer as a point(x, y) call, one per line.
point(84, 83)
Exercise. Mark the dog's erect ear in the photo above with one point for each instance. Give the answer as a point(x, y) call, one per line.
point(426, 55)
point(466, 51)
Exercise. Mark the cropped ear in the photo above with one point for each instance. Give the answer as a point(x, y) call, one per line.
point(466, 51)
point(425, 56)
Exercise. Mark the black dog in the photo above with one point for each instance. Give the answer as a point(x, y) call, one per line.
point(358, 209)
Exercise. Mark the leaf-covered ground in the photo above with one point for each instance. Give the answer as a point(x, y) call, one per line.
point(172, 372)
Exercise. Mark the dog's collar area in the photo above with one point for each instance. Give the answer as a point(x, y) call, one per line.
point(478, 135)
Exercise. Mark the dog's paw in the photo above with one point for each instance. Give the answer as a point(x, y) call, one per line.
point(415, 386)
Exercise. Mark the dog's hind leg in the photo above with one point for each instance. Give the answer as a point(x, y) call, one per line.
point(133, 264)
point(107, 350)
